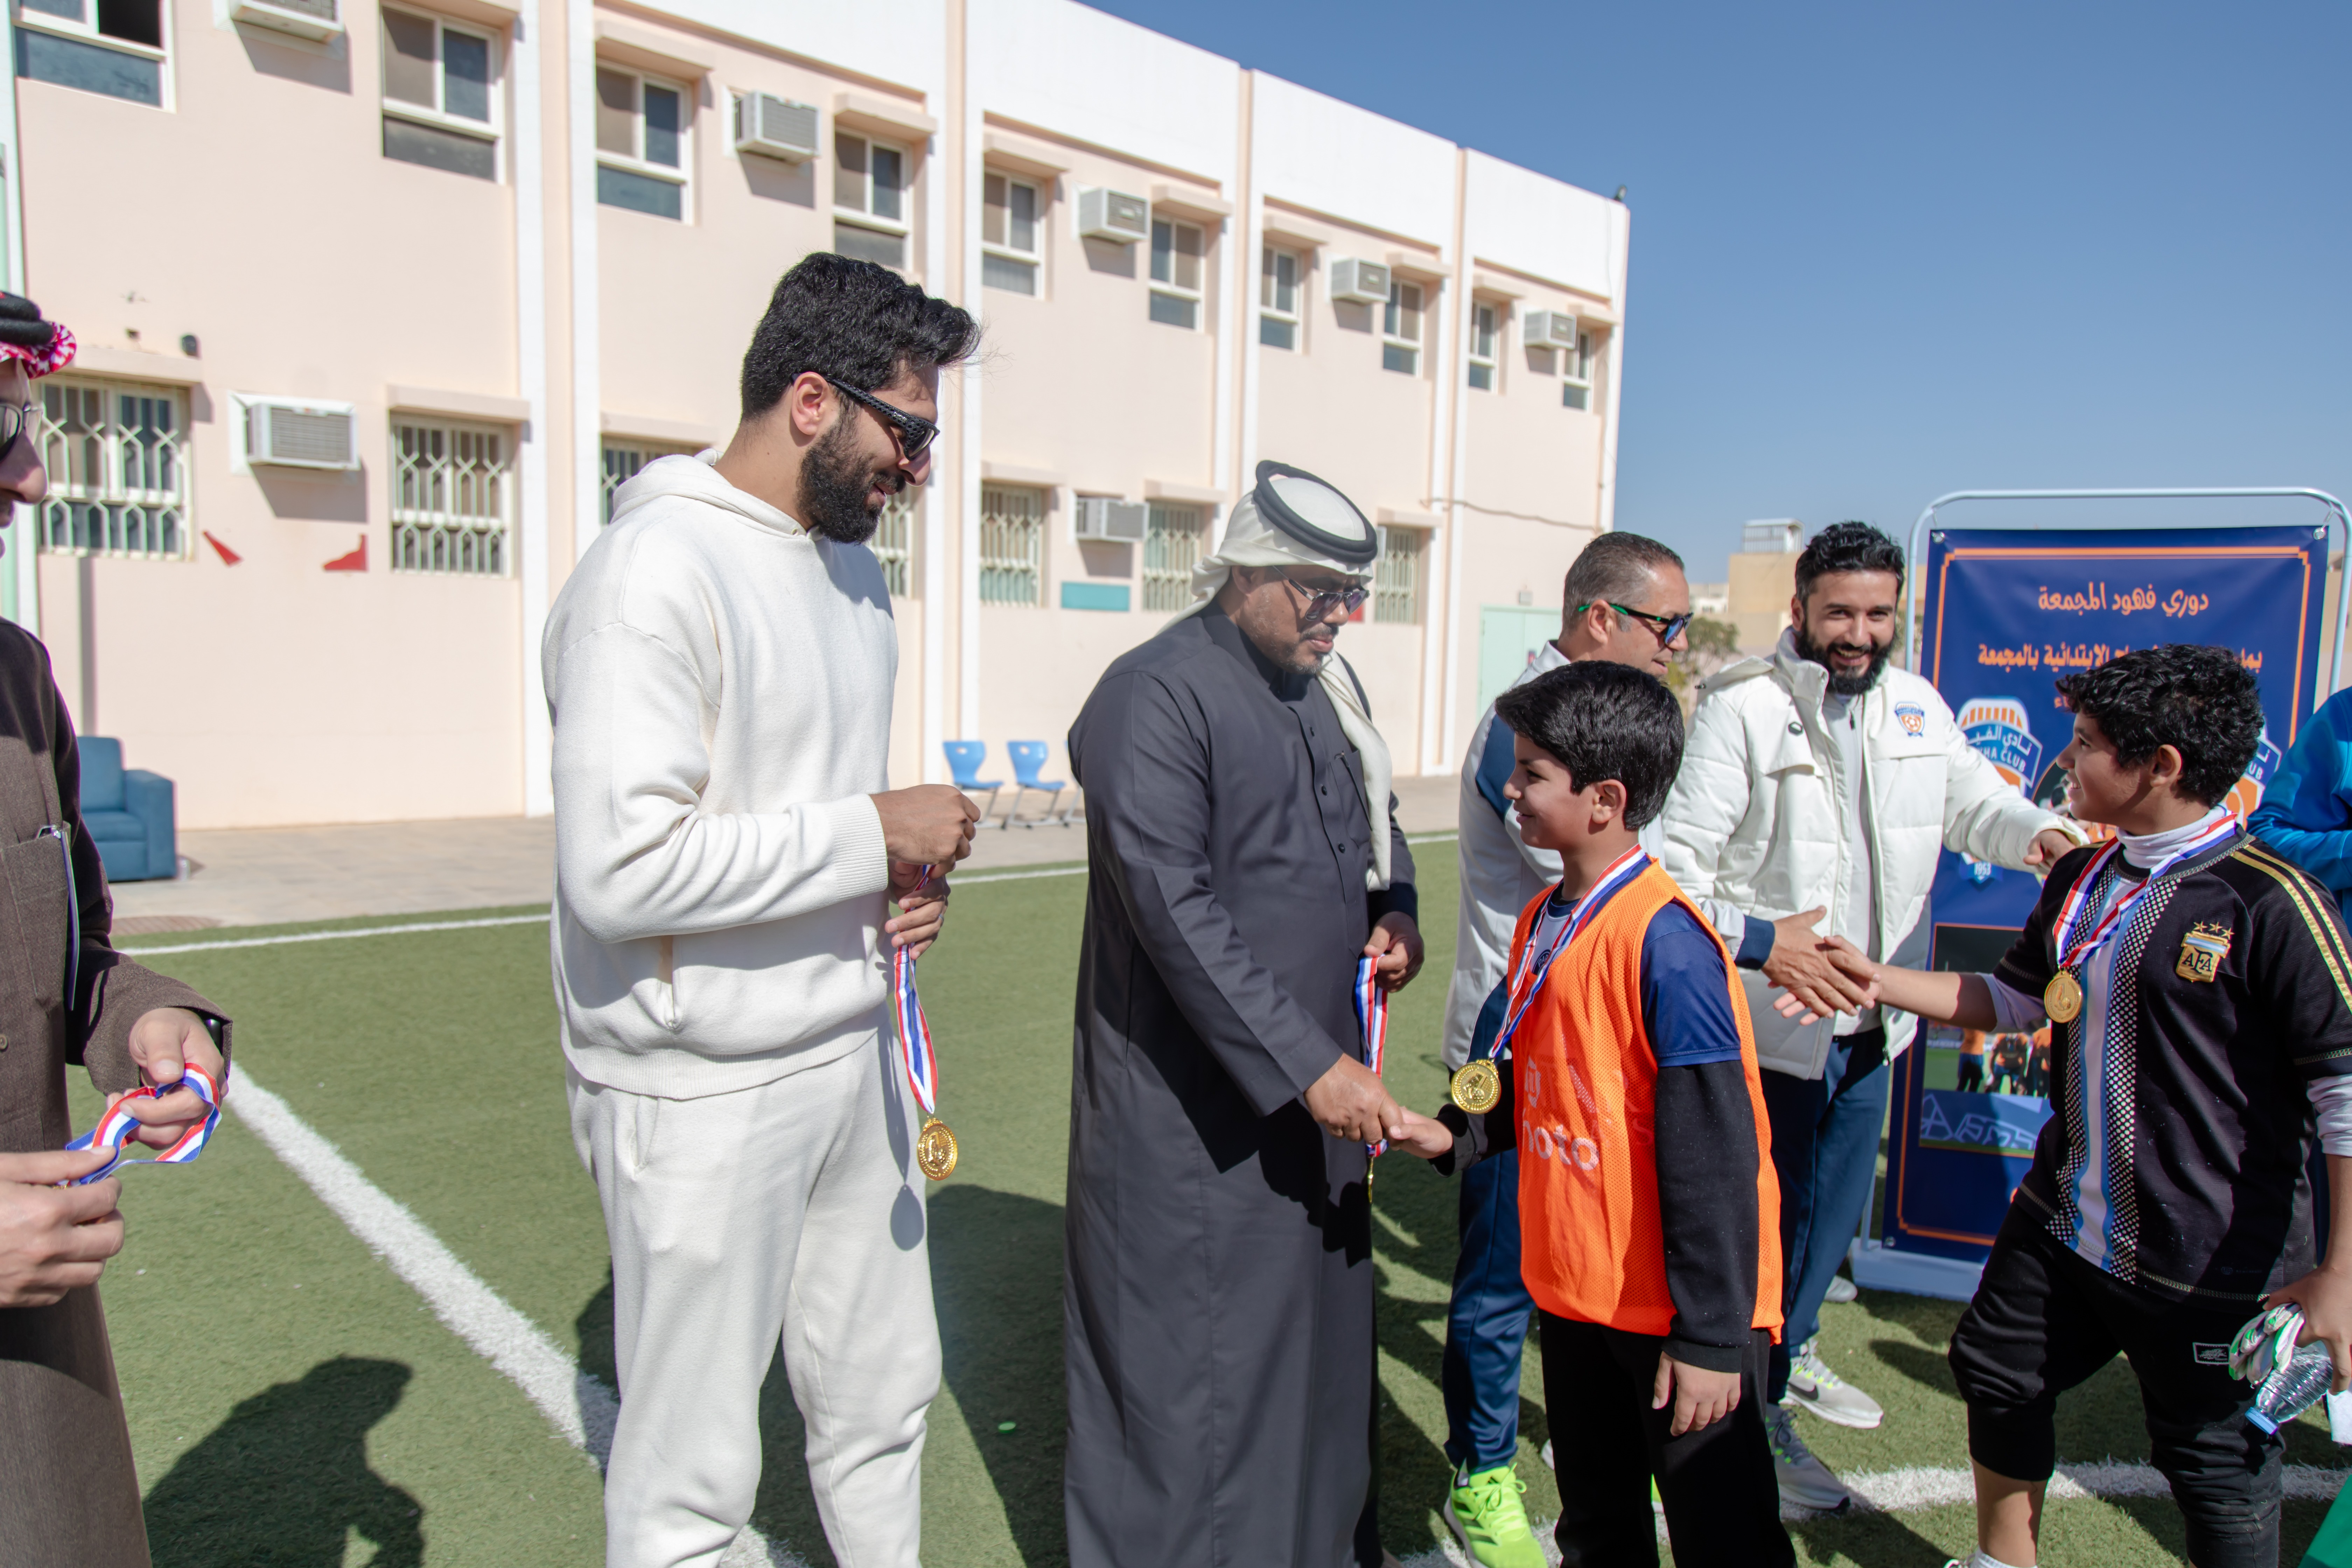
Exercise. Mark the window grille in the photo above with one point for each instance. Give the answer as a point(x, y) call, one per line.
point(118, 469)
point(1171, 542)
point(894, 542)
point(621, 463)
point(1176, 252)
point(1396, 577)
point(1012, 545)
point(1401, 329)
point(452, 497)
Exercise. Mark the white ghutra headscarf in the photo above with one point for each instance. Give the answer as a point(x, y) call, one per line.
point(1293, 518)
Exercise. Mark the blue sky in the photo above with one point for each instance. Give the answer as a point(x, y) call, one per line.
point(1882, 252)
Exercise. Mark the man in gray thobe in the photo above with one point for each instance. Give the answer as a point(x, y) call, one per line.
point(1244, 855)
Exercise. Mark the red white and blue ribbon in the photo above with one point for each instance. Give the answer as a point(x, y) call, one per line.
point(1534, 962)
point(2070, 913)
point(914, 1029)
point(118, 1126)
point(1373, 1013)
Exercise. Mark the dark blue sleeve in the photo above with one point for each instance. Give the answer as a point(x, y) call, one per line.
point(1496, 760)
point(1755, 944)
point(1685, 992)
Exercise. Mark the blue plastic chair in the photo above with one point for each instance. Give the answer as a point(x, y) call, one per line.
point(1028, 761)
point(128, 813)
point(964, 758)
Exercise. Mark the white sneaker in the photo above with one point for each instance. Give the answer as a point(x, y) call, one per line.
point(1814, 1387)
point(1805, 1482)
point(1842, 1290)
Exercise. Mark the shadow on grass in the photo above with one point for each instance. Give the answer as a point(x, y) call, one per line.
point(1866, 1540)
point(285, 1480)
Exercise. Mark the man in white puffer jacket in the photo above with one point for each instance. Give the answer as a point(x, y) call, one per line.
point(1823, 777)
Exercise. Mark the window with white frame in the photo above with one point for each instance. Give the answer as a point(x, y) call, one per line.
point(451, 497)
point(440, 94)
point(622, 461)
point(1008, 235)
point(1172, 543)
point(1486, 325)
point(894, 542)
point(1401, 329)
point(1175, 273)
point(1396, 576)
point(1278, 298)
point(1012, 545)
point(643, 124)
point(1576, 384)
point(116, 454)
point(117, 48)
point(869, 200)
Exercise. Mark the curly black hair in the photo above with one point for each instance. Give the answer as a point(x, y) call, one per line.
point(1847, 547)
point(854, 322)
point(1604, 721)
point(2201, 701)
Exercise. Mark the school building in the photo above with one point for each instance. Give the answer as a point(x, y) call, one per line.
point(379, 301)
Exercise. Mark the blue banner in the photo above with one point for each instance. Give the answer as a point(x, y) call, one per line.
point(2006, 613)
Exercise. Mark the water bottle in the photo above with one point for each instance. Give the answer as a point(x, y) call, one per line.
point(2289, 1379)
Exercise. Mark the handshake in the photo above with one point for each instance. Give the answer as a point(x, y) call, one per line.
point(1351, 1101)
point(1820, 975)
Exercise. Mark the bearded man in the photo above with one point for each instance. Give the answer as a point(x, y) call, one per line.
point(1244, 860)
point(1822, 778)
point(720, 671)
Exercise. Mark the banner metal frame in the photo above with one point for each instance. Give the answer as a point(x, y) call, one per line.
point(2338, 518)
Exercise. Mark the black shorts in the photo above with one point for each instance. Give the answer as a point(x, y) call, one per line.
point(2043, 1321)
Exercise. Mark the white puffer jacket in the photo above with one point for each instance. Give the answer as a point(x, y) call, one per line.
point(1754, 818)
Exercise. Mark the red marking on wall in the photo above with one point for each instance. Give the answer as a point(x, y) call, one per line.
point(355, 562)
point(228, 557)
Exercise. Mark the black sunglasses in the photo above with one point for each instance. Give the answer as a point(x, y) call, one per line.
point(916, 434)
point(1668, 627)
point(1319, 604)
point(16, 419)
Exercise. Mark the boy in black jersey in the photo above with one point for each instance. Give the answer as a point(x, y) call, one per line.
point(2201, 990)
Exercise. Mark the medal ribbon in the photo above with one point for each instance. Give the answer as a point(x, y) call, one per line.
point(1373, 1013)
point(2069, 913)
point(117, 1127)
point(914, 1029)
point(1534, 966)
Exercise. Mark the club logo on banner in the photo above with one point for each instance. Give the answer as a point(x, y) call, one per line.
point(2007, 612)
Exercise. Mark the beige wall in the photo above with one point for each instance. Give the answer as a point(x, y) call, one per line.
point(1761, 587)
point(269, 225)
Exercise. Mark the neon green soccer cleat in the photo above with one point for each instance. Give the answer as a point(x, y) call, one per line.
point(1489, 1519)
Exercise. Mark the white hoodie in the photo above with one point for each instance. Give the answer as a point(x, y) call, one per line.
point(719, 682)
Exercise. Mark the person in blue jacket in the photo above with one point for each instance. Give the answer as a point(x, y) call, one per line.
point(2306, 810)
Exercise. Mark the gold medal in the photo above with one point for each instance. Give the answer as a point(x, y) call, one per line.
point(935, 1150)
point(2062, 997)
point(1477, 1087)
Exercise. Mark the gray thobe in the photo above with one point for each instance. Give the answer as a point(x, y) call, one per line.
point(1218, 1289)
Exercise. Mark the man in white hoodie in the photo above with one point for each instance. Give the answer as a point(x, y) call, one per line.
point(720, 671)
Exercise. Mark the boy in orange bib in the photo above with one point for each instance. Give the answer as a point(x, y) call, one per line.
point(1648, 1209)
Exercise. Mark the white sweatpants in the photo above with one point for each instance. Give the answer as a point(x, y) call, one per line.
point(792, 1210)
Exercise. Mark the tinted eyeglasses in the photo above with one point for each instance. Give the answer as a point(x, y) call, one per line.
point(915, 433)
point(1668, 627)
point(1319, 605)
point(16, 420)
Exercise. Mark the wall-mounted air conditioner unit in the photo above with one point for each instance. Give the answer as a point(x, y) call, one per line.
point(317, 20)
point(290, 433)
point(776, 127)
point(1361, 282)
point(1550, 330)
point(1108, 517)
point(1113, 214)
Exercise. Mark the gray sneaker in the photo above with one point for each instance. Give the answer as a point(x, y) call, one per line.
point(1805, 1482)
point(1815, 1387)
point(1842, 1290)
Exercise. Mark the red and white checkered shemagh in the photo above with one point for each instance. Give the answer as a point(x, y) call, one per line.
point(46, 361)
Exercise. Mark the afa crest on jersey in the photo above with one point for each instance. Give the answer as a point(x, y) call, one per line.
point(1998, 728)
point(2202, 950)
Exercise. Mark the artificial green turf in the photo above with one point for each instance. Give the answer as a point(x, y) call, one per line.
point(429, 1059)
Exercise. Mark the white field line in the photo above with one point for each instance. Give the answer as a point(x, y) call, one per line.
point(579, 1407)
point(341, 935)
point(1900, 1491)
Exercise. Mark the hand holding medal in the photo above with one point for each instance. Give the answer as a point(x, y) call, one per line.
point(935, 1146)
